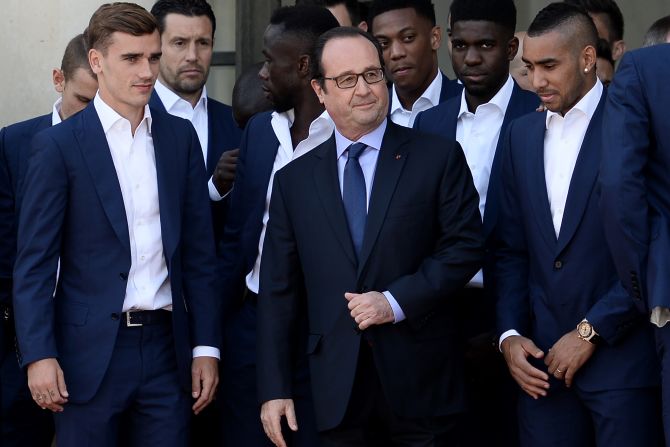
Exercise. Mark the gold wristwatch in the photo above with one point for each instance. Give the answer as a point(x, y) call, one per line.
point(586, 332)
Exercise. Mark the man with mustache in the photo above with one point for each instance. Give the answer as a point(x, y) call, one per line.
point(187, 42)
point(483, 44)
point(572, 337)
point(409, 37)
point(271, 141)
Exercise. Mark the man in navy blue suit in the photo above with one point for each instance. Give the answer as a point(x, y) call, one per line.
point(21, 422)
point(370, 234)
point(271, 140)
point(130, 338)
point(410, 38)
point(483, 45)
point(634, 184)
point(187, 41)
point(571, 336)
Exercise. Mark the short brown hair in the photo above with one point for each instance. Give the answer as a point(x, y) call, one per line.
point(122, 17)
point(75, 57)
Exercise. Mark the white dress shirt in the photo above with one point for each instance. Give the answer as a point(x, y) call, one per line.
point(562, 141)
point(148, 285)
point(177, 106)
point(319, 131)
point(478, 135)
point(55, 113)
point(429, 98)
point(368, 162)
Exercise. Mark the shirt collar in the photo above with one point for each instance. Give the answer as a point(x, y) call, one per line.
point(587, 105)
point(170, 98)
point(108, 116)
point(500, 99)
point(372, 139)
point(55, 114)
point(289, 117)
point(432, 94)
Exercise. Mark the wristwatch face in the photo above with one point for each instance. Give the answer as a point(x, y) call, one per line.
point(584, 329)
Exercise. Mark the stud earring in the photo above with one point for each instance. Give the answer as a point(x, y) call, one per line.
point(586, 70)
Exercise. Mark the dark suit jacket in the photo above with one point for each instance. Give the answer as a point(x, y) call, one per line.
point(239, 248)
point(634, 175)
point(422, 243)
point(450, 88)
point(547, 285)
point(75, 211)
point(224, 135)
point(14, 149)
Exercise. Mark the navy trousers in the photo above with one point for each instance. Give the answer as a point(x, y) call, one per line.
point(140, 401)
point(577, 418)
point(663, 349)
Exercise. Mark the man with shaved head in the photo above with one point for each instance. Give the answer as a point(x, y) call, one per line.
point(572, 338)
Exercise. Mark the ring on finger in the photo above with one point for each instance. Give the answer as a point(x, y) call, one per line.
point(558, 371)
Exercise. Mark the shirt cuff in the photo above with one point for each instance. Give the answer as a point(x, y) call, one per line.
point(206, 351)
point(505, 335)
point(398, 314)
point(214, 195)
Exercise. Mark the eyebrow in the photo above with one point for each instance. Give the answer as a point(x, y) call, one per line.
point(541, 61)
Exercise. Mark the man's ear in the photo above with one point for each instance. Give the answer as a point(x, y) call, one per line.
point(304, 65)
point(512, 48)
point(318, 89)
point(58, 79)
point(618, 49)
point(95, 60)
point(435, 37)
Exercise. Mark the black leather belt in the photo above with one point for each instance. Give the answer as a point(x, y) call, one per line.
point(137, 318)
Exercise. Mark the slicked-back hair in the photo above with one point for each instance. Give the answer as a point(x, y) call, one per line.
point(560, 14)
point(657, 32)
point(423, 8)
point(189, 8)
point(501, 12)
point(127, 18)
point(75, 57)
point(306, 23)
point(339, 33)
point(607, 7)
point(353, 7)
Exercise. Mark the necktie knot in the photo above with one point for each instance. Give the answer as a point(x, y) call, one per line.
point(355, 150)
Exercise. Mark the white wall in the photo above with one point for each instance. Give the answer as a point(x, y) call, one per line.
point(33, 36)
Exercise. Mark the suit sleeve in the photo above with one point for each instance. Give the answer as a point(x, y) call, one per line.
point(41, 219)
point(624, 202)
point(511, 255)
point(198, 255)
point(458, 252)
point(7, 225)
point(281, 279)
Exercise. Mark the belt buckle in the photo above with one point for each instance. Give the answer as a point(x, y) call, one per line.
point(128, 323)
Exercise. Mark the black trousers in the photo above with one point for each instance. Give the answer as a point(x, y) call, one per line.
point(369, 421)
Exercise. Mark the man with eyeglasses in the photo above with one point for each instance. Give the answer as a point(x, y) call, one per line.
point(370, 233)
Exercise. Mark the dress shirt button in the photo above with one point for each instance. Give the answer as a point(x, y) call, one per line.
point(137, 186)
point(142, 258)
point(558, 265)
point(115, 316)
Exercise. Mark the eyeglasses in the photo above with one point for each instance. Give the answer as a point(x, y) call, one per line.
point(350, 80)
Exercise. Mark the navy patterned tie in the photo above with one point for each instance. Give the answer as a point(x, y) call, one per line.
point(354, 195)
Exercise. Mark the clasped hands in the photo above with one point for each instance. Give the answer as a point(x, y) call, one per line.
point(563, 360)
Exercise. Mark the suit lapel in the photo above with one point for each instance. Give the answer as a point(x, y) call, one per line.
point(99, 161)
point(327, 185)
point(166, 162)
point(390, 163)
point(583, 178)
point(537, 185)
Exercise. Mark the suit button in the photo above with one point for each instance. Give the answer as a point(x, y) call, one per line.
point(558, 265)
point(115, 316)
point(123, 276)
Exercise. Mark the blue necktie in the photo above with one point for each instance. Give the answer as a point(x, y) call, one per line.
point(354, 195)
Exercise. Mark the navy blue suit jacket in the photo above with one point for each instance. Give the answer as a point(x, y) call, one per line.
point(224, 135)
point(634, 174)
point(239, 249)
point(76, 212)
point(547, 285)
point(422, 243)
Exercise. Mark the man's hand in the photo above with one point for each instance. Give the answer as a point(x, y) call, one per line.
point(224, 173)
point(369, 308)
point(567, 355)
point(516, 350)
point(271, 413)
point(204, 380)
point(47, 384)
